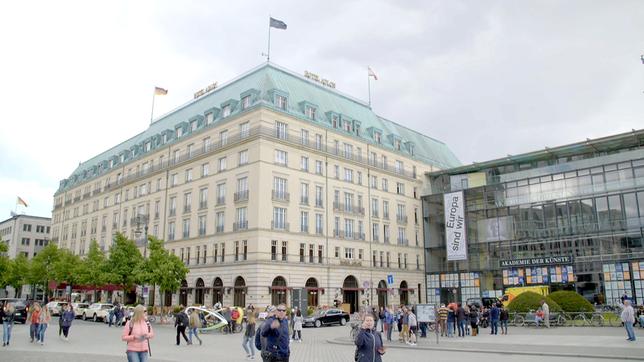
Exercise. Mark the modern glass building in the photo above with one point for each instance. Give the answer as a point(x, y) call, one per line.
point(570, 217)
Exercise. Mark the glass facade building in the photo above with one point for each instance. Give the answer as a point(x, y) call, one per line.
point(569, 217)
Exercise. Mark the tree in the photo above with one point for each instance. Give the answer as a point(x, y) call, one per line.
point(162, 268)
point(5, 264)
point(18, 273)
point(66, 267)
point(125, 262)
point(93, 269)
point(42, 266)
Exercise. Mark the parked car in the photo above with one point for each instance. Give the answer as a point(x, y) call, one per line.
point(79, 309)
point(21, 306)
point(482, 302)
point(97, 311)
point(55, 307)
point(326, 317)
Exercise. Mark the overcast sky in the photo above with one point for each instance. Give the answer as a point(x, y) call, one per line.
point(489, 78)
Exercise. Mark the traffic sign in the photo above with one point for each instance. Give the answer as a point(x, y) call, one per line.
point(390, 279)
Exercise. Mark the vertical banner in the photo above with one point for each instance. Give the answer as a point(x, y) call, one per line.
point(456, 240)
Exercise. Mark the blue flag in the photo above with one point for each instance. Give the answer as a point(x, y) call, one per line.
point(278, 24)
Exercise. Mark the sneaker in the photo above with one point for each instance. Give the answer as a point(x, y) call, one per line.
point(66, 339)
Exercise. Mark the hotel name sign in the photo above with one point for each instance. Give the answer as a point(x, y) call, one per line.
point(316, 78)
point(548, 260)
point(203, 91)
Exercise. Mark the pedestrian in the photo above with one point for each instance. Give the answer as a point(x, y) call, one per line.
point(34, 319)
point(413, 327)
point(451, 321)
point(381, 317)
point(111, 314)
point(249, 333)
point(194, 322)
point(443, 312)
point(405, 324)
point(399, 313)
point(261, 342)
point(389, 322)
point(8, 316)
point(461, 319)
point(43, 322)
point(277, 338)
point(297, 325)
point(68, 317)
point(119, 313)
point(137, 333)
point(467, 319)
point(369, 346)
point(181, 322)
point(292, 323)
point(474, 321)
point(546, 313)
point(494, 319)
point(628, 317)
point(504, 316)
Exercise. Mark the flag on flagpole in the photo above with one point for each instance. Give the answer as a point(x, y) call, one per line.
point(160, 91)
point(372, 73)
point(21, 201)
point(277, 24)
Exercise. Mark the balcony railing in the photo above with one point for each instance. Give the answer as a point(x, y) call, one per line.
point(304, 200)
point(402, 241)
point(319, 203)
point(374, 213)
point(304, 228)
point(280, 196)
point(173, 212)
point(240, 225)
point(187, 209)
point(203, 205)
point(402, 219)
point(279, 225)
point(221, 200)
point(241, 196)
point(219, 229)
point(386, 239)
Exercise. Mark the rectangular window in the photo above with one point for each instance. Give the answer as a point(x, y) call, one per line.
point(318, 141)
point(318, 167)
point(209, 118)
point(281, 102)
point(221, 194)
point(236, 250)
point(304, 137)
point(348, 150)
point(225, 111)
point(273, 249)
point(220, 221)
point(223, 137)
point(284, 250)
point(205, 169)
point(171, 230)
point(310, 112)
point(281, 130)
point(222, 164)
point(304, 164)
point(374, 231)
point(245, 103)
point(319, 226)
point(186, 228)
point(337, 251)
point(385, 184)
point(279, 218)
point(245, 250)
point(244, 130)
point(281, 157)
point(187, 202)
point(400, 188)
point(348, 175)
point(319, 196)
point(202, 225)
point(302, 252)
point(348, 253)
point(373, 182)
point(304, 221)
point(243, 157)
point(203, 198)
point(304, 195)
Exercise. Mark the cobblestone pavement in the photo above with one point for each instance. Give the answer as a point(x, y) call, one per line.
point(97, 343)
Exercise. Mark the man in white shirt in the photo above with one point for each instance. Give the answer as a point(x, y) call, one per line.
point(628, 317)
point(546, 313)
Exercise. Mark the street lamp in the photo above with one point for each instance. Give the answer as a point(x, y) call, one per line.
point(142, 220)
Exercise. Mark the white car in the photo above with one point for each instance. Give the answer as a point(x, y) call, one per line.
point(97, 311)
point(79, 309)
point(55, 307)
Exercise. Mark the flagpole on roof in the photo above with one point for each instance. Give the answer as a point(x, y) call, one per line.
point(152, 112)
point(369, 86)
point(268, 55)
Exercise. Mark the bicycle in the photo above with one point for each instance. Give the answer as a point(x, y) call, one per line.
point(595, 320)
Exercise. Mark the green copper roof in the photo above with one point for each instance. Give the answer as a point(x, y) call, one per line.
point(262, 83)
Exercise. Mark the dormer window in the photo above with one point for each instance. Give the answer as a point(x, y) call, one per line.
point(357, 130)
point(245, 102)
point(122, 158)
point(179, 132)
point(377, 137)
point(347, 126)
point(225, 112)
point(111, 163)
point(397, 145)
point(281, 102)
point(165, 139)
point(411, 150)
point(334, 121)
point(147, 146)
point(310, 112)
point(209, 117)
point(193, 125)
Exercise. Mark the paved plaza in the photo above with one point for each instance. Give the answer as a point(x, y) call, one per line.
point(96, 342)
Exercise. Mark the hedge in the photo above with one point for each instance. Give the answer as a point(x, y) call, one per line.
point(571, 301)
point(528, 301)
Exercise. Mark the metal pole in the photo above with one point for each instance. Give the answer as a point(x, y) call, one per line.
point(152, 113)
point(268, 55)
point(369, 86)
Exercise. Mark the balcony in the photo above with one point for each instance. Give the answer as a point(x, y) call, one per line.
point(319, 231)
point(221, 200)
point(338, 233)
point(304, 229)
point(279, 226)
point(304, 200)
point(187, 209)
point(241, 196)
point(401, 219)
point(240, 225)
point(281, 196)
point(173, 212)
point(402, 241)
point(386, 239)
point(203, 205)
point(319, 203)
point(374, 213)
point(219, 229)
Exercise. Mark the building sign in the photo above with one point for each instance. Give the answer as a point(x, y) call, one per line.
point(203, 91)
point(456, 241)
point(551, 260)
point(316, 78)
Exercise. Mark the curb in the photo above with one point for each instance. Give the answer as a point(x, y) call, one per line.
point(492, 351)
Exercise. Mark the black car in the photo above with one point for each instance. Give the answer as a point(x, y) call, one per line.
point(486, 302)
point(21, 308)
point(326, 317)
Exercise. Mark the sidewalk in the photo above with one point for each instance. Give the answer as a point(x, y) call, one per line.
point(604, 343)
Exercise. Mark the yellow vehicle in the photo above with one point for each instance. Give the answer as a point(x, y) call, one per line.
point(511, 293)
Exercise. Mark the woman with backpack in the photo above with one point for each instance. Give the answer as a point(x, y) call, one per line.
point(137, 333)
point(369, 347)
point(194, 323)
point(249, 333)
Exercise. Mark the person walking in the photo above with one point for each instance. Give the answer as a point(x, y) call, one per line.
point(399, 314)
point(261, 342)
point(43, 323)
point(389, 323)
point(249, 333)
point(381, 317)
point(137, 333)
point(68, 317)
point(628, 317)
point(546, 313)
point(461, 319)
point(443, 312)
point(277, 338)
point(504, 317)
point(194, 322)
point(413, 327)
point(8, 315)
point(297, 325)
point(494, 319)
point(34, 319)
point(474, 321)
point(451, 322)
point(369, 346)
point(181, 322)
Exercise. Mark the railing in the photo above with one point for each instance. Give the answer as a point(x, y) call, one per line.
point(319, 203)
point(173, 212)
point(187, 208)
point(279, 226)
point(401, 219)
point(203, 205)
point(219, 229)
point(221, 200)
point(386, 239)
point(304, 200)
point(240, 225)
point(241, 196)
point(404, 242)
point(304, 228)
point(280, 196)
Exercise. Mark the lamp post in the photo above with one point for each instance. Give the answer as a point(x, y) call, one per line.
point(142, 219)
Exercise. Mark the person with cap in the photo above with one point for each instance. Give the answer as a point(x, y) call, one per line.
point(277, 337)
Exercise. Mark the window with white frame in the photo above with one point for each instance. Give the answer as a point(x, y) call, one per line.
point(385, 184)
point(222, 164)
point(319, 226)
point(348, 175)
point(280, 187)
point(189, 175)
point(373, 182)
point(205, 169)
point(348, 253)
point(245, 103)
point(281, 102)
point(225, 111)
point(279, 217)
point(244, 129)
point(209, 118)
point(304, 137)
point(318, 167)
point(281, 130)
point(348, 150)
point(310, 112)
point(377, 137)
point(400, 188)
point(318, 141)
point(206, 144)
point(385, 209)
point(220, 221)
point(375, 228)
point(348, 228)
point(223, 137)
point(281, 157)
point(304, 221)
point(318, 196)
point(243, 157)
point(304, 164)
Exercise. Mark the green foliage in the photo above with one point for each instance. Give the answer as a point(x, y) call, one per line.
point(571, 301)
point(528, 301)
point(125, 262)
point(5, 264)
point(310, 310)
point(66, 267)
point(42, 266)
point(162, 268)
point(93, 269)
point(18, 274)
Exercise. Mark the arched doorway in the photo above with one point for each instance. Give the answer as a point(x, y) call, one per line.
point(382, 294)
point(199, 292)
point(183, 293)
point(312, 292)
point(404, 293)
point(278, 291)
point(217, 291)
point(239, 298)
point(350, 291)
